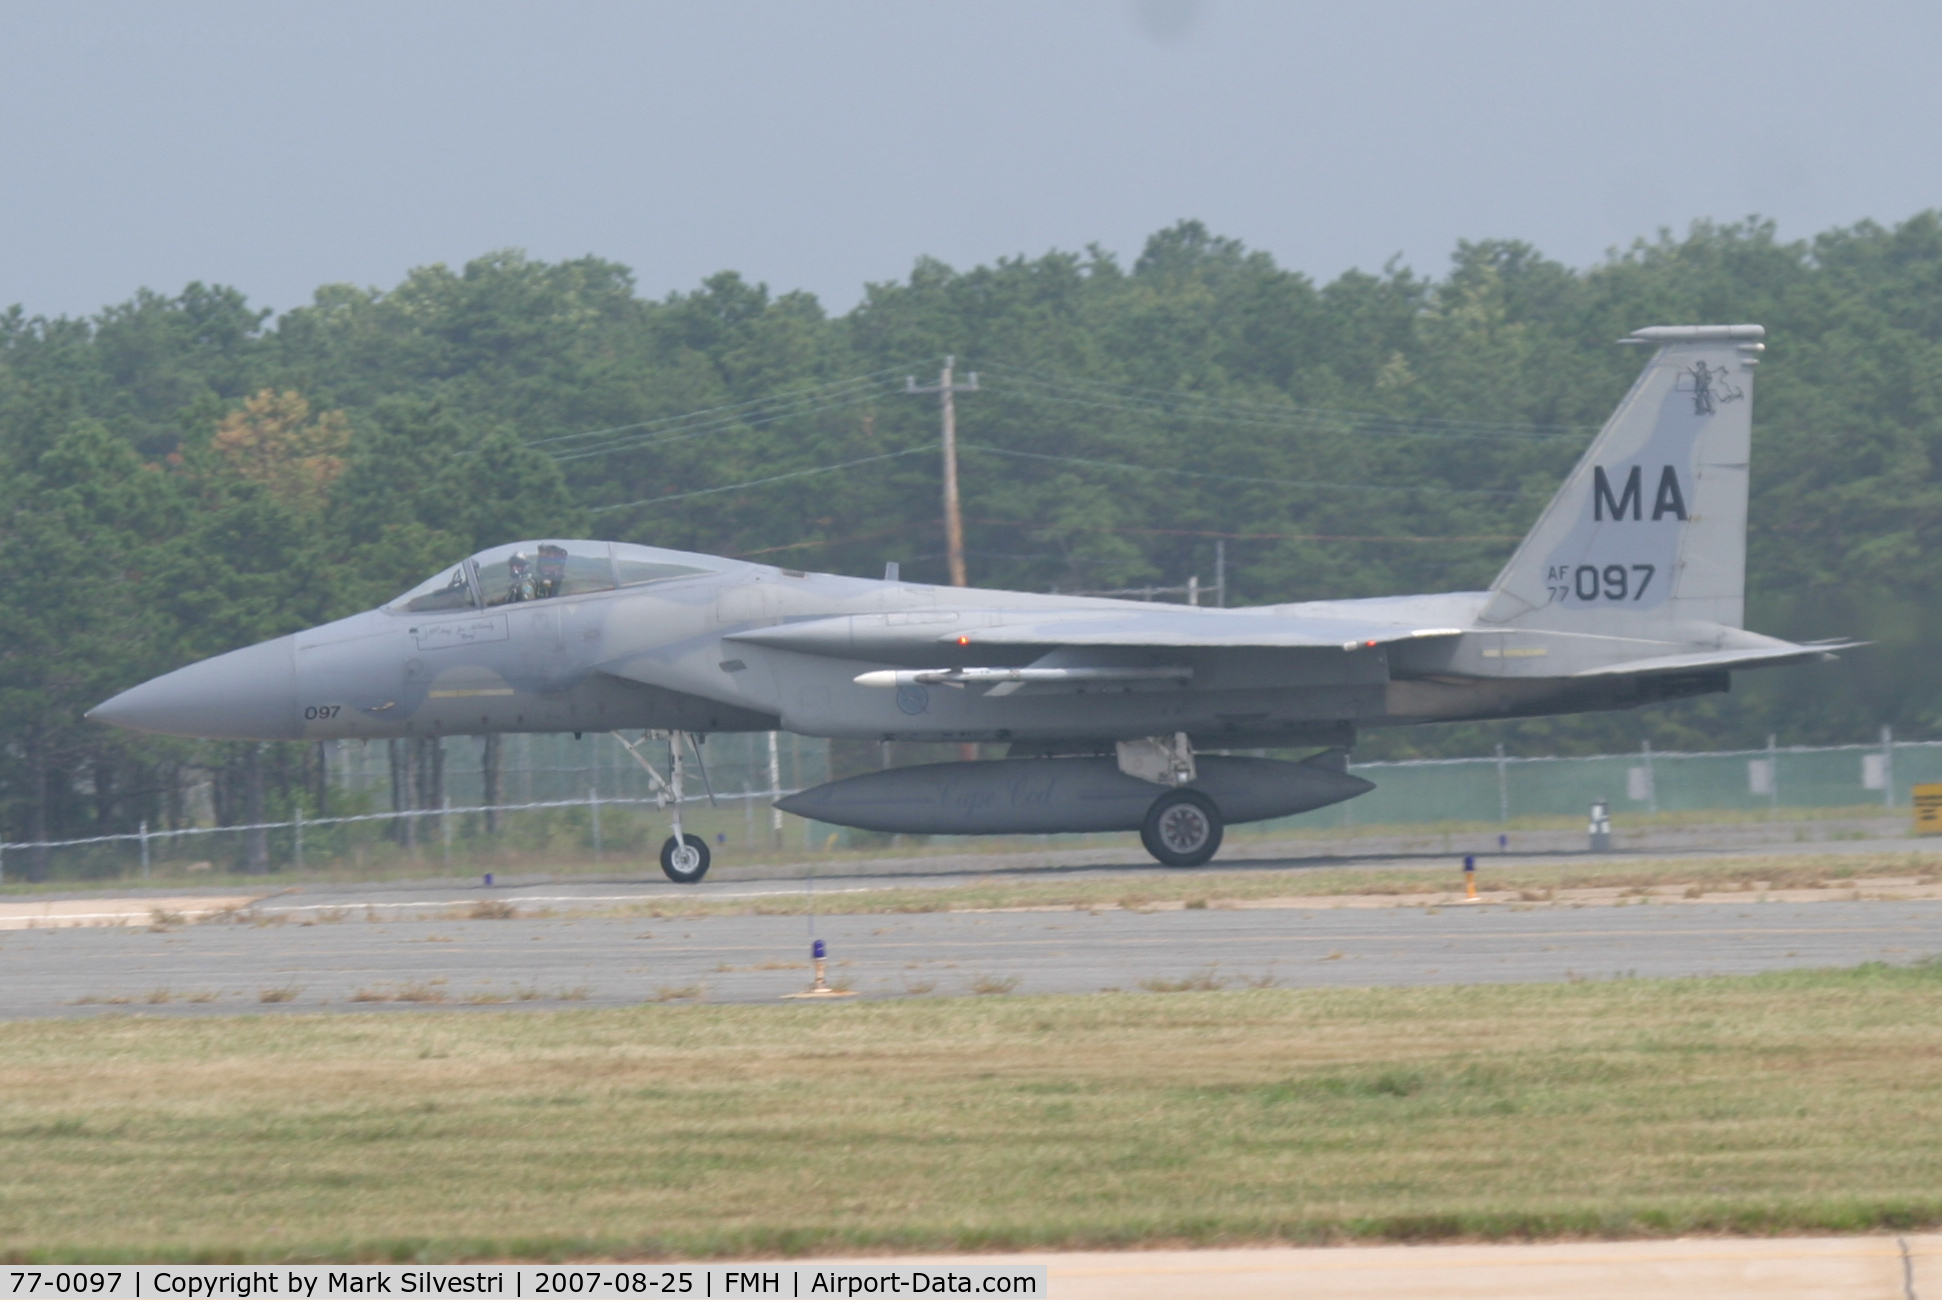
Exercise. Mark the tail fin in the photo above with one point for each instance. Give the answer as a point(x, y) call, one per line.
point(1650, 529)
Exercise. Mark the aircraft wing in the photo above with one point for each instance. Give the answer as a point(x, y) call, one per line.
point(887, 637)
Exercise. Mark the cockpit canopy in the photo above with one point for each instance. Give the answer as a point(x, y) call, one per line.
point(524, 571)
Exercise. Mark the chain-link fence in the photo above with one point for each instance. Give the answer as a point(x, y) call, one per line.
point(388, 803)
point(1503, 788)
point(589, 799)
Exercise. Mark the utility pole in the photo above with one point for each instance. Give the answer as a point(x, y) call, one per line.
point(946, 391)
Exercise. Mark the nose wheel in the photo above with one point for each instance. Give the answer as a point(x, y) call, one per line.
point(1182, 829)
point(684, 859)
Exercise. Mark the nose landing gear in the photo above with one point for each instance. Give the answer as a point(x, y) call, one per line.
point(684, 857)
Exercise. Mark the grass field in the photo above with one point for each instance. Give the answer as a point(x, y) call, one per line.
point(1795, 1102)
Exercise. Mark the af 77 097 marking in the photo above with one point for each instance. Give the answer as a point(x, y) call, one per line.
point(1585, 580)
point(1115, 712)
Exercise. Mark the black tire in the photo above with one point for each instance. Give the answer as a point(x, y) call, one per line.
point(1182, 829)
point(690, 872)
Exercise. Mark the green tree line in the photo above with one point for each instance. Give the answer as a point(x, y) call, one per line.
point(187, 474)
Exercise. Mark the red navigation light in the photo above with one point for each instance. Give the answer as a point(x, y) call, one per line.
point(1370, 644)
point(965, 640)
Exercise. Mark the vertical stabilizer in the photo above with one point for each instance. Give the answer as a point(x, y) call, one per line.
point(1649, 532)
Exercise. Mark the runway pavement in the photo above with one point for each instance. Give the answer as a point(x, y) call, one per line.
point(1798, 1268)
point(418, 949)
point(589, 941)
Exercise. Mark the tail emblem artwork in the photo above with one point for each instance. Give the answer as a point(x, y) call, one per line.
point(1630, 589)
point(1702, 384)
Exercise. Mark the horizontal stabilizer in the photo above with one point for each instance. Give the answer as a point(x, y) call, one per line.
point(1765, 657)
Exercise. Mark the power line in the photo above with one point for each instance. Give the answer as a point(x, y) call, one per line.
point(1174, 401)
point(1266, 537)
point(804, 407)
point(1021, 383)
point(1242, 478)
point(726, 411)
point(1069, 460)
point(878, 535)
point(757, 482)
point(1215, 534)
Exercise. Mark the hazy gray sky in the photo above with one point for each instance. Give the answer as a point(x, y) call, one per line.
point(825, 143)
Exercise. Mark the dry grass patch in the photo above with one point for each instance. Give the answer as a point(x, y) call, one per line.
point(1753, 875)
point(678, 992)
point(1799, 1102)
point(1200, 981)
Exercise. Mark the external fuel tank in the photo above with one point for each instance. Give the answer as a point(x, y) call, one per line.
point(1030, 796)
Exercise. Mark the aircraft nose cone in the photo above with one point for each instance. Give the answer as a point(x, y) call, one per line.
point(247, 694)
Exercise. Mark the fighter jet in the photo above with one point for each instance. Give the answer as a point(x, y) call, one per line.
point(1117, 714)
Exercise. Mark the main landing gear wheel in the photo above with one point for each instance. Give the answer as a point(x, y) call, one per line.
point(685, 862)
point(1183, 829)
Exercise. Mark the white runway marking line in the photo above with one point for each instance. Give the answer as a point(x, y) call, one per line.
point(544, 898)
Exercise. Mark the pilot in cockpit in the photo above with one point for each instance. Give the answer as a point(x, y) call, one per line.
point(550, 579)
point(519, 585)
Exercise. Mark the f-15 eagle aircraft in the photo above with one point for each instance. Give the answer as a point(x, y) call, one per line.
point(1628, 591)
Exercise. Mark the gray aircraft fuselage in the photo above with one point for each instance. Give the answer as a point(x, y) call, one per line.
point(688, 654)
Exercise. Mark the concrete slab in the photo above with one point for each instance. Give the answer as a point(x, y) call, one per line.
point(54, 913)
point(1815, 1268)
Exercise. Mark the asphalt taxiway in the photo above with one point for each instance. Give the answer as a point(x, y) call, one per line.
point(308, 956)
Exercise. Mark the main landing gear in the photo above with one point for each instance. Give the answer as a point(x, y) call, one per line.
point(684, 857)
point(1183, 827)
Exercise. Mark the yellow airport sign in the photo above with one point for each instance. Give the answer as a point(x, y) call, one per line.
point(1928, 810)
